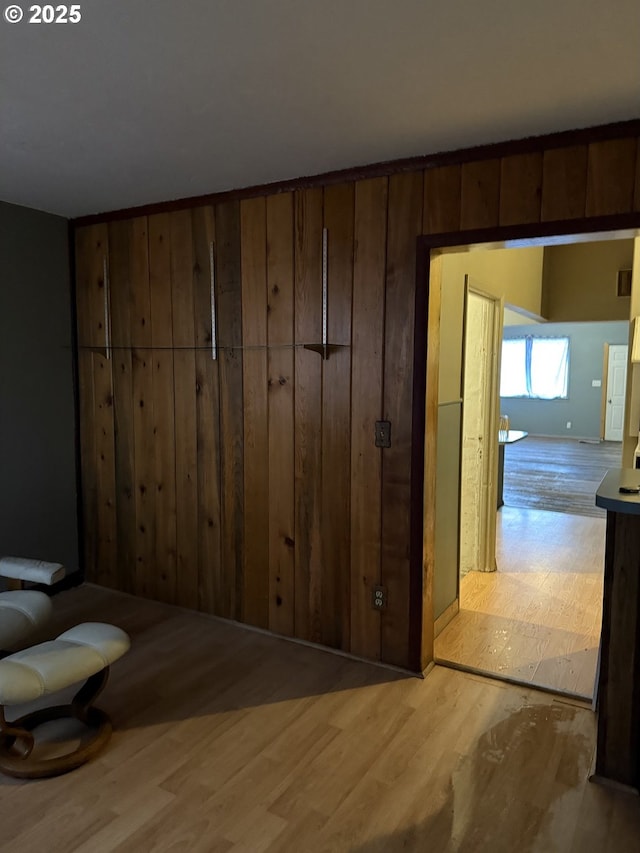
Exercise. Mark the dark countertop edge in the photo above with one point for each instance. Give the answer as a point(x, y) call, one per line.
point(608, 495)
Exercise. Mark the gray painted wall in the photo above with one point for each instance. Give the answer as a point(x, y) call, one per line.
point(38, 515)
point(583, 407)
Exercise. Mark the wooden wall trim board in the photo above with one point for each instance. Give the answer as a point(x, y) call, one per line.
point(545, 142)
point(250, 486)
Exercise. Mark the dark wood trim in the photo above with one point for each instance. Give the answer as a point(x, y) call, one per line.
point(418, 425)
point(425, 245)
point(533, 231)
point(527, 145)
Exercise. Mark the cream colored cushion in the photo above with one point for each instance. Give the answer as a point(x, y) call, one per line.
point(20, 613)
point(73, 656)
point(35, 571)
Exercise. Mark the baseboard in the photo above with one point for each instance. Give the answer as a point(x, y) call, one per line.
point(445, 617)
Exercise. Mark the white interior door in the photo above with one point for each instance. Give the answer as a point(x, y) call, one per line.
point(482, 335)
point(616, 390)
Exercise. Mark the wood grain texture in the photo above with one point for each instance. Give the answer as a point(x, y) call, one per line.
point(210, 566)
point(404, 226)
point(121, 299)
point(308, 403)
point(143, 415)
point(88, 479)
point(538, 618)
point(106, 554)
point(618, 753)
point(264, 747)
point(335, 583)
point(91, 248)
point(367, 372)
point(255, 575)
point(442, 197)
point(480, 195)
point(229, 296)
point(185, 422)
point(163, 405)
point(564, 183)
point(91, 253)
point(520, 188)
point(280, 331)
point(425, 614)
point(611, 169)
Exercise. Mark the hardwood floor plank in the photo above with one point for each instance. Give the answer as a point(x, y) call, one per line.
point(379, 761)
point(558, 474)
point(538, 618)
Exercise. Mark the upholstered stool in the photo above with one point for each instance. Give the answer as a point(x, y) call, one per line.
point(21, 612)
point(83, 652)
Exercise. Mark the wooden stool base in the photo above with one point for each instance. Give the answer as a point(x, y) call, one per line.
point(17, 740)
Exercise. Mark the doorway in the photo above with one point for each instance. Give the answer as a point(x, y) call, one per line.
point(552, 539)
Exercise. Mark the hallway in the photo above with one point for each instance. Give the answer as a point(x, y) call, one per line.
point(538, 618)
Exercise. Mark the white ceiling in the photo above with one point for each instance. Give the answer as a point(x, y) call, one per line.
point(150, 100)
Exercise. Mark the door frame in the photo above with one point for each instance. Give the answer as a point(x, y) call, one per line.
point(490, 467)
point(430, 248)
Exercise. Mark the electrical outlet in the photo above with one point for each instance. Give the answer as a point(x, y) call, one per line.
point(379, 598)
point(568, 424)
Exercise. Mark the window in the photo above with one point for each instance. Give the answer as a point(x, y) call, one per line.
point(535, 367)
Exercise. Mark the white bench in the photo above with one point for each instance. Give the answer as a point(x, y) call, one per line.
point(84, 653)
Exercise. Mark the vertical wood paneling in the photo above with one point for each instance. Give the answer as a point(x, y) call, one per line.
point(255, 593)
point(564, 183)
point(163, 405)
point(611, 169)
point(251, 487)
point(143, 417)
point(480, 194)
point(404, 226)
point(229, 286)
point(520, 189)
point(120, 290)
point(280, 274)
point(308, 415)
point(210, 567)
point(339, 202)
point(442, 194)
point(185, 431)
point(88, 439)
point(107, 567)
point(366, 409)
point(424, 602)
point(90, 249)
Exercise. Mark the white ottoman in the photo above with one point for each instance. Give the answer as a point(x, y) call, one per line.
point(83, 652)
point(21, 612)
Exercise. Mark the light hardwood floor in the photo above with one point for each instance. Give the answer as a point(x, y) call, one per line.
point(230, 740)
point(538, 618)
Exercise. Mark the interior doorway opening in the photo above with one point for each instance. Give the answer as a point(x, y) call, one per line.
point(527, 622)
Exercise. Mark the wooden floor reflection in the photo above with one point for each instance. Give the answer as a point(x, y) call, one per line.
point(538, 618)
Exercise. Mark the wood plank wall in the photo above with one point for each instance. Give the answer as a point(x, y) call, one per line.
point(249, 486)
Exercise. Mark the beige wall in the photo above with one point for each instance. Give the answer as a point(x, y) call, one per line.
point(515, 274)
point(580, 280)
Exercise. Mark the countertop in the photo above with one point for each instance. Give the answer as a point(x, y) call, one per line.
point(608, 494)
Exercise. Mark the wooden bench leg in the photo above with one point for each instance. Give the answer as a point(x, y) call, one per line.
point(17, 741)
